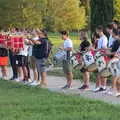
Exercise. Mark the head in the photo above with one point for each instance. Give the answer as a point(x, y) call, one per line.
point(109, 28)
point(115, 24)
point(64, 35)
point(94, 39)
point(42, 33)
point(99, 30)
point(83, 35)
point(115, 34)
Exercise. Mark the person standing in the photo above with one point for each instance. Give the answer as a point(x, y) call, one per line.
point(41, 52)
point(67, 67)
point(102, 44)
point(85, 44)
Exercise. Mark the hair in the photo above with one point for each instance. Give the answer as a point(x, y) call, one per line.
point(44, 32)
point(95, 35)
point(109, 26)
point(115, 22)
point(100, 27)
point(115, 31)
point(64, 33)
point(84, 34)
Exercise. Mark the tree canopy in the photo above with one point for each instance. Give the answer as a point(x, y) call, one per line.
point(51, 14)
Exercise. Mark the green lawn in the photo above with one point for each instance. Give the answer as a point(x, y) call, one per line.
point(18, 102)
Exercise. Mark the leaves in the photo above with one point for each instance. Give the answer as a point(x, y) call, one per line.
point(54, 15)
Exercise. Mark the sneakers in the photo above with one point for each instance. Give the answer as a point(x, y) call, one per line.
point(84, 87)
point(66, 87)
point(96, 89)
point(43, 85)
point(34, 83)
point(5, 78)
point(117, 95)
point(13, 78)
point(110, 91)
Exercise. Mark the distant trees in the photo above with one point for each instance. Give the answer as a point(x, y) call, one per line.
point(55, 15)
point(101, 12)
point(117, 10)
point(51, 14)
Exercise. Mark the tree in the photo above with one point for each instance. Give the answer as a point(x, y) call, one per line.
point(65, 15)
point(20, 13)
point(117, 10)
point(101, 12)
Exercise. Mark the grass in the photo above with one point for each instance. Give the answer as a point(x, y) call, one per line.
point(18, 102)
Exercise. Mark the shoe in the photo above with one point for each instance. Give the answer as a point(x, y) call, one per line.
point(117, 95)
point(96, 89)
point(13, 78)
point(43, 85)
point(18, 80)
point(66, 87)
point(102, 89)
point(84, 87)
point(109, 91)
point(34, 83)
point(29, 80)
point(5, 78)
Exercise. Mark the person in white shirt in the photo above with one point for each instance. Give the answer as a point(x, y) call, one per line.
point(32, 62)
point(67, 67)
point(102, 44)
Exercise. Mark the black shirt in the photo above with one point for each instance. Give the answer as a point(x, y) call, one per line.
point(39, 51)
point(115, 46)
point(85, 44)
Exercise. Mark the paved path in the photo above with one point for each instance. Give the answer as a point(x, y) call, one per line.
point(55, 84)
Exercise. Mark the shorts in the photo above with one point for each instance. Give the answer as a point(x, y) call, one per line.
point(32, 61)
point(21, 60)
point(41, 66)
point(67, 66)
point(83, 69)
point(4, 61)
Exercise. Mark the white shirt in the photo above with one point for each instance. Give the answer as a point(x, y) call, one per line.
point(68, 44)
point(102, 42)
point(111, 40)
point(31, 47)
point(24, 51)
point(118, 53)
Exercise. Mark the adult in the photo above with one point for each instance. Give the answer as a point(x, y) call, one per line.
point(67, 67)
point(102, 44)
point(85, 44)
point(40, 52)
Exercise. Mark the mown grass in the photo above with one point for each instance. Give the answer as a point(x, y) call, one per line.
point(18, 102)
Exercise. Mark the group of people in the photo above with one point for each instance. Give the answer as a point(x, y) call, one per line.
point(33, 56)
point(37, 49)
point(100, 41)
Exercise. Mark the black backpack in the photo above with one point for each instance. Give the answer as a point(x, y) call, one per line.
point(43, 50)
point(48, 48)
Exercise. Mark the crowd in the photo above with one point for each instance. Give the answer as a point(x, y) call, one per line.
point(37, 49)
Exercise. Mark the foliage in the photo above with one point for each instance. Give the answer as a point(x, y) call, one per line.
point(51, 14)
point(65, 15)
point(101, 12)
point(117, 10)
